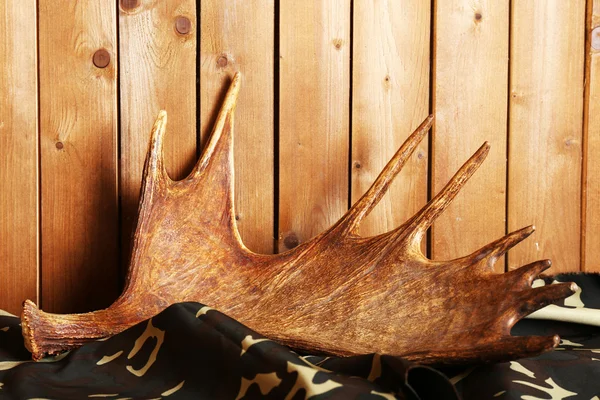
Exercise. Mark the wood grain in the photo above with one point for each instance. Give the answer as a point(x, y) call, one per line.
point(546, 119)
point(390, 98)
point(470, 96)
point(314, 117)
point(225, 49)
point(591, 229)
point(158, 72)
point(19, 160)
point(78, 145)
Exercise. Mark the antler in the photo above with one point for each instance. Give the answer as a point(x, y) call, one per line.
point(338, 293)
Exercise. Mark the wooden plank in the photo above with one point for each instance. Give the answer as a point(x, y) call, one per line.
point(225, 49)
point(546, 118)
point(78, 145)
point(313, 125)
point(470, 96)
point(390, 98)
point(18, 164)
point(157, 42)
point(591, 230)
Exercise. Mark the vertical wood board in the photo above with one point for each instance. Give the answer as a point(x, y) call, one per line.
point(19, 160)
point(158, 42)
point(470, 96)
point(546, 119)
point(314, 117)
point(592, 212)
point(239, 36)
point(78, 145)
point(390, 98)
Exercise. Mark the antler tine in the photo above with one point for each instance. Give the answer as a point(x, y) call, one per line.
point(373, 195)
point(505, 349)
point(542, 296)
point(226, 112)
point(525, 275)
point(155, 173)
point(499, 247)
point(429, 213)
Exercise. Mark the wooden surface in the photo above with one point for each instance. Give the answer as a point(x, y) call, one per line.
point(225, 49)
point(314, 106)
point(157, 73)
point(546, 119)
point(591, 248)
point(470, 95)
point(390, 98)
point(330, 89)
point(18, 163)
point(78, 146)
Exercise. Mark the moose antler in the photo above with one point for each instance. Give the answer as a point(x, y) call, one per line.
point(338, 293)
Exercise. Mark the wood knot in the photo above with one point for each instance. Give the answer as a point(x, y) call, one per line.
point(478, 17)
point(596, 38)
point(183, 25)
point(291, 241)
point(357, 165)
point(101, 58)
point(337, 43)
point(129, 5)
point(60, 145)
point(387, 82)
point(222, 61)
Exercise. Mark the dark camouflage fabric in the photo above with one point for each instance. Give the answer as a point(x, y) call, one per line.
point(190, 351)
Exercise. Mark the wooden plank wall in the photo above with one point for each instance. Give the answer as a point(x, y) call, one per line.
point(591, 183)
point(78, 154)
point(19, 238)
point(314, 106)
point(390, 99)
point(225, 49)
point(545, 132)
point(157, 42)
point(330, 91)
point(469, 103)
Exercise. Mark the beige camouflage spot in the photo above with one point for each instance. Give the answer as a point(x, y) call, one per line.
point(150, 332)
point(169, 392)
point(4, 365)
point(305, 381)
point(389, 396)
point(375, 368)
point(107, 359)
point(555, 391)
point(515, 366)
point(265, 382)
point(249, 341)
point(203, 311)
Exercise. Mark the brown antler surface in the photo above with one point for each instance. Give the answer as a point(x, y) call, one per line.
point(338, 293)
